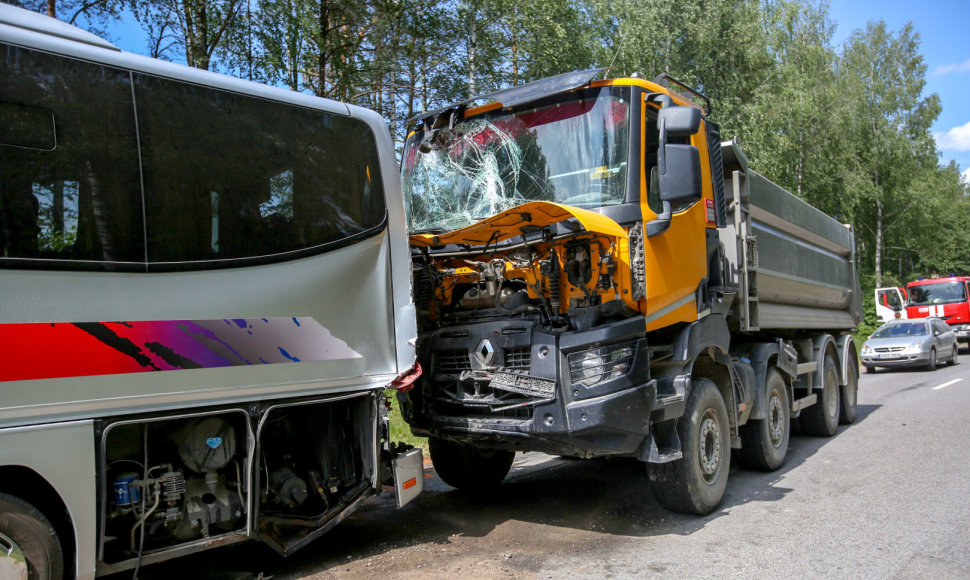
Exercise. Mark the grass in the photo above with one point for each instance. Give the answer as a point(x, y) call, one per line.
point(400, 431)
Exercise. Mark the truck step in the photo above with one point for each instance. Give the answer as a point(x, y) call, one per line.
point(669, 406)
point(664, 400)
point(666, 456)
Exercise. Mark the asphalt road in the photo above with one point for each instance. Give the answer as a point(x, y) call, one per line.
point(886, 497)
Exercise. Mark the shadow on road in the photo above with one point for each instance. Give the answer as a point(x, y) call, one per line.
point(596, 496)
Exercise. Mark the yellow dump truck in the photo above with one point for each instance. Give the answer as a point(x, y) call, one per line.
point(597, 274)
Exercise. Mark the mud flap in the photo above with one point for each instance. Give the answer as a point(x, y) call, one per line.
point(408, 470)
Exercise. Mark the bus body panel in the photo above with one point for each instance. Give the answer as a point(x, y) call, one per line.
point(70, 472)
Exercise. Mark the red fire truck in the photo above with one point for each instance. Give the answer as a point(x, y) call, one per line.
point(944, 298)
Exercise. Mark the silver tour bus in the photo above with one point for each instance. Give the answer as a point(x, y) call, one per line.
point(205, 293)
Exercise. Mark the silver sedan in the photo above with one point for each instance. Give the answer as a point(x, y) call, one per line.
point(913, 342)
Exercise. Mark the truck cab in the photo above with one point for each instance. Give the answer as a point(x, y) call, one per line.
point(946, 298)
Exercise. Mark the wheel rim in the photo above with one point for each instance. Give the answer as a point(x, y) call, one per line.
point(776, 428)
point(12, 557)
point(710, 446)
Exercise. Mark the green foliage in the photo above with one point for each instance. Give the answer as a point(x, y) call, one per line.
point(399, 429)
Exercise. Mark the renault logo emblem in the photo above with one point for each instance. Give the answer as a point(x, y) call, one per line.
point(485, 353)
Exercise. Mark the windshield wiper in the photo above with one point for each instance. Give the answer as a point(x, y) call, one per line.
point(429, 231)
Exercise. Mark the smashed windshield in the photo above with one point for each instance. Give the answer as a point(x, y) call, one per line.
point(572, 152)
point(937, 293)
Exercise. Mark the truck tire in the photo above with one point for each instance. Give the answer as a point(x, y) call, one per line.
point(25, 533)
point(468, 467)
point(822, 418)
point(764, 442)
point(694, 484)
point(850, 396)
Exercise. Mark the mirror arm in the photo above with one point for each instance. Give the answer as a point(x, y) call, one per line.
point(660, 225)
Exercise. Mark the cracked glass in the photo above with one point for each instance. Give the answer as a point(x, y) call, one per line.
point(572, 152)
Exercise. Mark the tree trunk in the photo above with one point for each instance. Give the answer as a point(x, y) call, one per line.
point(52, 8)
point(879, 244)
point(322, 48)
point(472, 47)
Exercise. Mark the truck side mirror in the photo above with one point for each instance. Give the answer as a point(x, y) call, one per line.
point(681, 182)
point(679, 121)
point(679, 165)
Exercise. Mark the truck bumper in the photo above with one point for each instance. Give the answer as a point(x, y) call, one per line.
point(579, 417)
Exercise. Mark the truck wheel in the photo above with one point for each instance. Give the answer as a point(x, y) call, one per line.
point(468, 467)
point(695, 483)
point(29, 547)
point(850, 397)
point(931, 366)
point(765, 441)
point(822, 418)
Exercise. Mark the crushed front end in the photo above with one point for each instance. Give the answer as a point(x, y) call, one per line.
point(530, 333)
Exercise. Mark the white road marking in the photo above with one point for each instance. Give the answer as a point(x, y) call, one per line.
point(946, 384)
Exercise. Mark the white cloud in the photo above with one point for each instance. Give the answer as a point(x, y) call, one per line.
point(945, 69)
point(956, 139)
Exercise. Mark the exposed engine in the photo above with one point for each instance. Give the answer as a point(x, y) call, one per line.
point(562, 284)
point(193, 489)
point(175, 481)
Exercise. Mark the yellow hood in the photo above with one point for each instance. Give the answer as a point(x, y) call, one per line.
point(518, 220)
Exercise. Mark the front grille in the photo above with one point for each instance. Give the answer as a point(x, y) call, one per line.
point(518, 358)
point(891, 349)
point(452, 362)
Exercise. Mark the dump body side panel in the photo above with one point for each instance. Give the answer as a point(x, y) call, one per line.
point(801, 263)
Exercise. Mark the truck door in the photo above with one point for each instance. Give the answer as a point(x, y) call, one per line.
point(889, 304)
point(675, 258)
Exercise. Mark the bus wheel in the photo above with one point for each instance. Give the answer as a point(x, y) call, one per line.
point(468, 467)
point(765, 441)
point(822, 418)
point(850, 396)
point(694, 484)
point(29, 547)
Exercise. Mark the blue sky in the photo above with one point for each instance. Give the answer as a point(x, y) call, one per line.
point(941, 25)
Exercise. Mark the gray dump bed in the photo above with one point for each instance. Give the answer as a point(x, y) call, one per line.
point(794, 265)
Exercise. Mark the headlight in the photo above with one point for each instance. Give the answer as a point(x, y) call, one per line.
point(593, 366)
point(867, 350)
point(914, 348)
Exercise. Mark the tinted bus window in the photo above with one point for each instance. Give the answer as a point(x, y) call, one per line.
point(69, 183)
point(228, 176)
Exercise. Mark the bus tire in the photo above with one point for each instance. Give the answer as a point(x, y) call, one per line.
point(468, 467)
point(822, 418)
point(695, 483)
point(25, 530)
point(764, 442)
point(850, 397)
